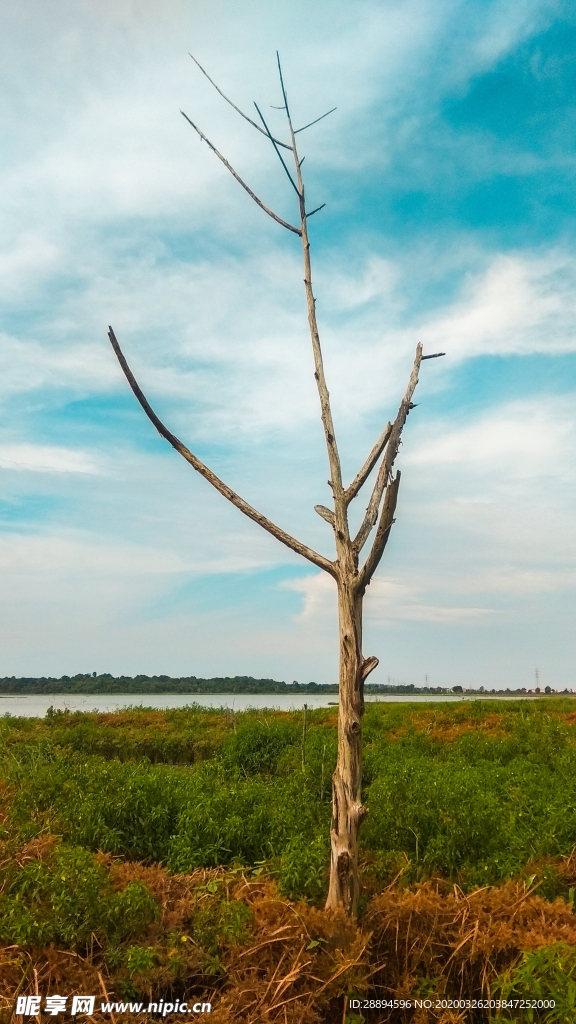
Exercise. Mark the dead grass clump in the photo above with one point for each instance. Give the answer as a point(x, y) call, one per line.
point(297, 965)
point(456, 943)
point(444, 726)
point(491, 725)
point(38, 848)
point(258, 958)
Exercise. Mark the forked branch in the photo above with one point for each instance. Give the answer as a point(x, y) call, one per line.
point(326, 413)
point(278, 153)
point(385, 470)
point(227, 492)
point(241, 112)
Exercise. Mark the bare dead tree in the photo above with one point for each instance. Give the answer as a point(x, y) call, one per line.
point(351, 575)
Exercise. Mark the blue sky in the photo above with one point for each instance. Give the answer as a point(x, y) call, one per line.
point(448, 177)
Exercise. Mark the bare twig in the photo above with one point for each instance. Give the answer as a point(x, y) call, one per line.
point(312, 212)
point(279, 154)
point(227, 492)
point(363, 474)
point(247, 188)
point(310, 123)
point(106, 996)
point(237, 109)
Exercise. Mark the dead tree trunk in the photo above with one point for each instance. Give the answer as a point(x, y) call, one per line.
point(347, 810)
point(350, 575)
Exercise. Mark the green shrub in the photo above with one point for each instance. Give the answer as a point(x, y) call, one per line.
point(547, 974)
point(256, 747)
point(478, 808)
point(68, 900)
point(224, 922)
point(304, 868)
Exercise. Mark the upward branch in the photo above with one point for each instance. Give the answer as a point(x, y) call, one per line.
point(385, 480)
point(363, 474)
point(341, 524)
point(235, 499)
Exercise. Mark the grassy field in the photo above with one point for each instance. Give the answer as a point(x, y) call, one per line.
point(156, 853)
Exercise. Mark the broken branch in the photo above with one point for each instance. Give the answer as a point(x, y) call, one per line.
point(325, 513)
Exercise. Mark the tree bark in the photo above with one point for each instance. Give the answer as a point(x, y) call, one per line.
point(347, 810)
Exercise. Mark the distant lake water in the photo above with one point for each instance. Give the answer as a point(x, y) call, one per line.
point(37, 705)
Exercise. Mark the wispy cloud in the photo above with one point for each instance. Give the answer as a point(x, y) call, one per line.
point(520, 440)
point(45, 459)
point(521, 304)
point(387, 600)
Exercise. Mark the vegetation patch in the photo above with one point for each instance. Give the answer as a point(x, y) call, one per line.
point(155, 876)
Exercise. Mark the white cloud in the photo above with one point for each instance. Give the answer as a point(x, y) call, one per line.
point(386, 601)
point(519, 581)
point(28, 365)
point(234, 338)
point(318, 595)
point(521, 304)
point(520, 440)
point(38, 458)
point(29, 261)
point(71, 555)
point(508, 24)
point(95, 126)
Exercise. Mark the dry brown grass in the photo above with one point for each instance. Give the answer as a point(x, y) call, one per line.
point(296, 964)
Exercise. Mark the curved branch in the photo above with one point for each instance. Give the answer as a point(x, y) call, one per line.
point(242, 114)
point(259, 202)
point(227, 492)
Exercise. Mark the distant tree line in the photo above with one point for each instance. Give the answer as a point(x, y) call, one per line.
point(105, 683)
